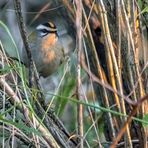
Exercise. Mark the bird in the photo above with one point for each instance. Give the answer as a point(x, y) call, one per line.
point(48, 48)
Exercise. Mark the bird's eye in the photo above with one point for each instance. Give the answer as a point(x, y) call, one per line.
point(43, 32)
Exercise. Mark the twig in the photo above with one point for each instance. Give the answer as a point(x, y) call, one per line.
point(44, 9)
point(134, 103)
point(100, 74)
point(79, 48)
point(15, 99)
point(133, 48)
point(33, 75)
point(17, 6)
point(129, 119)
point(97, 80)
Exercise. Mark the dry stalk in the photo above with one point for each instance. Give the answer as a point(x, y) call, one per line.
point(101, 76)
point(86, 99)
point(17, 6)
point(79, 48)
point(15, 99)
point(136, 63)
point(109, 47)
point(129, 119)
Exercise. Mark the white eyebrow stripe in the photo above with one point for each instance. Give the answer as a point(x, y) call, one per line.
point(40, 27)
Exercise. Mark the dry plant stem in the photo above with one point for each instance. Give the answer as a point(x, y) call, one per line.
point(136, 63)
point(70, 9)
point(15, 99)
point(109, 45)
point(79, 48)
point(20, 135)
point(107, 86)
point(123, 129)
point(110, 54)
point(13, 78)
point(111, 73)
point(99, 69)
point(144, 45)
point(118, 24)
point(135, 141)
point(89, 16)
point(13, 128)
point(112, 78)
point(131, 80)
point(129, 119)
point(135, 104)
point(144, 49)
point(86, 99)
point(100, 73)
point(40, 12)
point(131, 75)
point(33, 75)
point(134, 70)
point(17, 7)
point(35, 137)
point(3, 110)
point(129, 71)
point(136, 84)
point(134, 13)
point(136, 33)
point(56, 128)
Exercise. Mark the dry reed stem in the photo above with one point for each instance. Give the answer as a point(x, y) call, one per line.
point(109, 45)
point(79, 52)
point(136, 63)
point(100, 75)
point(129, 119)
point(17, 6)
point(94, 99)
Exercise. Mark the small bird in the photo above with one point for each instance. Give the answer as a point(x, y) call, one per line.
point(47, 48)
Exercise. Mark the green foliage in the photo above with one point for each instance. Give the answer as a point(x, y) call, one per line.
point(6, 69)
point(140, 3)
point(20, 125)
point(145, 10)
point(143, 6)
point(66, 91)
point(145, 118)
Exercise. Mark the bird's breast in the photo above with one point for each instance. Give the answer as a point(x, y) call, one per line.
point(49, 41)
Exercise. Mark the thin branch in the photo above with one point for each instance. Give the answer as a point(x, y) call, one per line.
point(129, 120)
point(15, 99)
point(99, 72)
point(79, 48)
point(17, 6)
point(97, 80)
